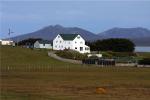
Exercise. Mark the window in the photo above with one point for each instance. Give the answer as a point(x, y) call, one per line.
point(58, 36)
point(75, 42)
point(56, 46)
point(56, 41)
point(81, 48)
point(86, 48)
point(68, 42)
point(60, 41)
point(78, 37)
point(43, 44)
point(75, 47)
point(81, 42)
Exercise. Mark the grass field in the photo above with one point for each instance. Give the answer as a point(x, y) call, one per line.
point(144, 55)
point(31, 75)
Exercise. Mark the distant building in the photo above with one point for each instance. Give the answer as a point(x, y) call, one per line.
point(43, 44)
point(6, 42)
point(70, 41)
point(28, 43)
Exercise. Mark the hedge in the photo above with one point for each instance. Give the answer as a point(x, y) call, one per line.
point(144, 61)
point(70, 54)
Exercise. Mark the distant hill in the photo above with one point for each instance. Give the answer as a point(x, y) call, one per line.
point(50, 32)
point(140, 36)
point(126, 33)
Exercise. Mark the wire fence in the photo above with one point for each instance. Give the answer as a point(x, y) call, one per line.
point(64, 68)
point(33, 68)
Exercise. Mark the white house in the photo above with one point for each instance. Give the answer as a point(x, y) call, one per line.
point(70, 41)
point(6, 42)
point(43, 44)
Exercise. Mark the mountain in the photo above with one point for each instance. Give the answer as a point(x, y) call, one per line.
point(126, 33)
point(140, 36)
point(50, 32)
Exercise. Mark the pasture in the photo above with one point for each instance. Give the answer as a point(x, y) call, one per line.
point(31, 75)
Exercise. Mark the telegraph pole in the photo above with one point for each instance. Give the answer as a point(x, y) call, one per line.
point(9, 32)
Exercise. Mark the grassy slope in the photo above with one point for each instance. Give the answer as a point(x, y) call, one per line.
point(144, 54)
point(31, 75)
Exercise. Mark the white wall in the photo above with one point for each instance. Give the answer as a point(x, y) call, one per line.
point(6, 42)
point(58, 43)
point(47, 46)
point(67, 44)
point(80, 42)
point(77, 43)
point(38, 45)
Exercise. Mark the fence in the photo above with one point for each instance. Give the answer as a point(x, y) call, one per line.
point(103, 62)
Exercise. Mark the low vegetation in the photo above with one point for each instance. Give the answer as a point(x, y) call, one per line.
point(144, 61)
point(143, 54)
point(111, 54)
point(70, 54)
point(31, 75)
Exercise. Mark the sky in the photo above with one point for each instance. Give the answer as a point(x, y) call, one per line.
point(25, 16)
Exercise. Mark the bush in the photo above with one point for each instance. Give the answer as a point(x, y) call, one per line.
point(106, 54)
point(145, 61)
point(70, 54)
point(112, 44)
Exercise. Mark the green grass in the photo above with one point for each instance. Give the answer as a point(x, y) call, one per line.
point(19, 56)
point(31, 75)
point(143, 54)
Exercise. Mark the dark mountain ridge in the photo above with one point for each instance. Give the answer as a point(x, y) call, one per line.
point(50, 32)
point(126, 33)
point(140, 36)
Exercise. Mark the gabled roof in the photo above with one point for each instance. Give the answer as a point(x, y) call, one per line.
point(68, 36)
point(44, 42)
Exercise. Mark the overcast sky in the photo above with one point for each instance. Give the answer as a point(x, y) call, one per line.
point(96, 16)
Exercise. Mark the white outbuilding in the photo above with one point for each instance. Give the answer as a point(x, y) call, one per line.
point(43, 44)
point(70, 41)
point(6, 42)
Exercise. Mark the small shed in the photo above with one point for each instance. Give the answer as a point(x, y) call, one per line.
point(43, 44)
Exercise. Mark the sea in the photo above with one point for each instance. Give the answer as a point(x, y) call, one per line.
point(142, 49)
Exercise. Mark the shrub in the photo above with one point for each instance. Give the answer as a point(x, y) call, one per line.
point(106, 54)
point(70, 54)
point(144, 61)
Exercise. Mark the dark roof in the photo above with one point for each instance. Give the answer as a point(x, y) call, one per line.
point(44, 42)
point(68, 36)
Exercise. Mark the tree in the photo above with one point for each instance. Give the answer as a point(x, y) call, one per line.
point(29, 41)
point(113, 44)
